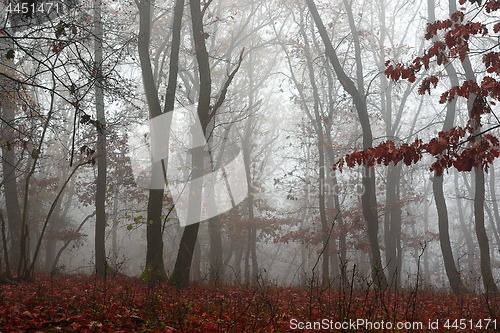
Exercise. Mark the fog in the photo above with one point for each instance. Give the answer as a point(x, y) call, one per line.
point(246, 141)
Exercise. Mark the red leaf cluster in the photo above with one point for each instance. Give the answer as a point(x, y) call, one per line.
point(447, 149)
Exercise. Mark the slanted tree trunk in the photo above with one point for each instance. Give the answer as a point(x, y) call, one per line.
point(368, 198)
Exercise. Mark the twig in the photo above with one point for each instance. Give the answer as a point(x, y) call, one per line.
point(66, 244)
point(54, 204)
point(222, 96)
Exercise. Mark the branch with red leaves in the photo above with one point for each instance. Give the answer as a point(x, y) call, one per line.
point(450, 148)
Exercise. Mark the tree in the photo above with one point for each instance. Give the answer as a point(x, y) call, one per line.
point(369, 196)
point(155, 270)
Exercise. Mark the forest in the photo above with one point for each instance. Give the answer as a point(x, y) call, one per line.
point(243, 166)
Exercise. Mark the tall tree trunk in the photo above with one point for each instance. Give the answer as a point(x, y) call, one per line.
point(100, 197)
point(368, 198)
point(155, 270)
point(180, 276)
point(9, 164)
point(392, 216)
point(216, 263)
point(444, 235)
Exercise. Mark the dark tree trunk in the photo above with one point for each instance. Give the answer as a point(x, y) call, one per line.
point(100, 198)
point(180, 276)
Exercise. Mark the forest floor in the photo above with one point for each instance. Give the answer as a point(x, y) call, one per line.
point(82, 303)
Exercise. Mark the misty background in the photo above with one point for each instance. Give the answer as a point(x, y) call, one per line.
point(75, 94)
